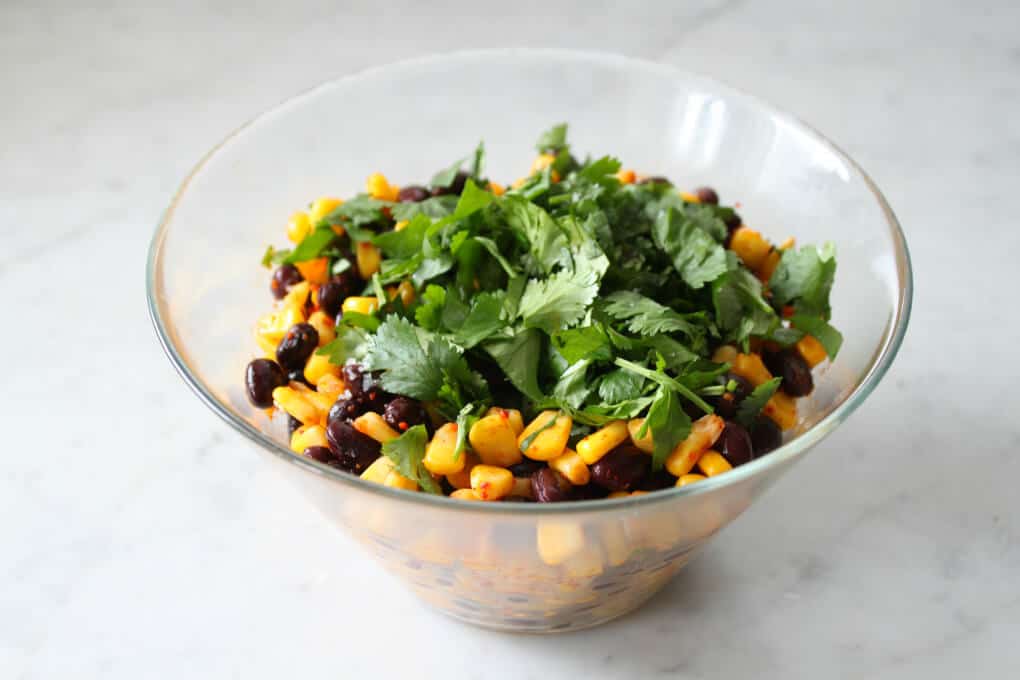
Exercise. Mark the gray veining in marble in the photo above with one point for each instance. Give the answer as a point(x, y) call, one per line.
point(137, 541)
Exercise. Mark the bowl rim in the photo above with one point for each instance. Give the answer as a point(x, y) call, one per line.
point(881, 360)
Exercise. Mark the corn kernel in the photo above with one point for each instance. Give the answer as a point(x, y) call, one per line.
point(491, 483)
point(319, 365)
point(307, 435)
point(322, 207)
point(298, 227)
point(439, 454)
point(810, 350)
point(602, 441)
point(401, 225)
point(372, 424)
point(558, 541)
point(381, 189)
point(626, 176)
point(571, 466)
point(712, 463)
point(294, 403)
point(788, 243)
point(494, 441)
point(689, 197)
point(619, 494)
point(781, 408)
point(315, 271)
point(406, 292)
point(465, 495)
point(551, 440)
point(462, 478)
point(522, 488)
point(689, 478)
point(323, 325)
point(751, 247)
point(369, 259)
point(497, 189)
point(542, 162)
point(751, 368)
point(399, 481)
point(769, 264)
point(725, 354)
point(704, 432)
point(379, 470)
point(512, 415)
point(330, 385)
point(645, 443)
point(362, 305)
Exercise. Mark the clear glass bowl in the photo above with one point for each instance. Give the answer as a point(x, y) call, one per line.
point(521, 567)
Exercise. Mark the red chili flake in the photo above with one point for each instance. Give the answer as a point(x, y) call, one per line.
point(402, 425)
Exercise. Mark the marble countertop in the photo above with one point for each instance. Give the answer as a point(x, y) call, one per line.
point(138, 542)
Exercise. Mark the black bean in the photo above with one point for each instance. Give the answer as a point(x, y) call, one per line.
point(354, 450)
point(295, 348)
point(261, 378)
point(292, 424)
point(333, 292)
point(707, 195)
point(547, 486)
point(619, 469)
point(456, 187)
point(653, 481)
point(735, 444)
point(284, 277)
point(320, 454)
point(588, 492)
point(345, 408)
point(412, 194)
point(526, 468)
point(737, 389)
point(354, 379)
point(795, 372)
point(402, 413)
point(765, 436)
point(733, 221)
point(655, 179)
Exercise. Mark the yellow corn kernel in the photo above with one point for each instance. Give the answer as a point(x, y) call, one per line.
point(810, 350)
point(298, 227)
point(462, 478)
point(751, 368)
point(769, 264)
point(362, 305)
point(307, 435)
point(294, 403)
point(381, 189)
point(318, 366)
point(558, 541)
point(297, 296)
point(330, 385)
point(750, 247)
point(712, 463)
point(406, 292)
point(512, 415)
point(439, 458)
point(379, 470)
point(689, 197)
point(322, 207)
point(551, 440)
point(518, 183)
point(644, 443)
point(725, 354)
point(689, 478)
point(782, 409)
point(369, 259)
point(494, 441)
point(602, 441)
point(321, 402)
point(626, 176)
point(542, 162)
point(497, 189)
point(373, 425)
point(465, 495)
point(704, 432)
point(491, 483)
point(522, 488)
point(788, 243)
point(315, 271)
point(571, 466)
point(639, 492)
point(323, 325)
point(399, 481)
point(401, 225)
point(619, 494)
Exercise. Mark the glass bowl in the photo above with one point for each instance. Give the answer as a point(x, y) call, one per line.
point(514, 566)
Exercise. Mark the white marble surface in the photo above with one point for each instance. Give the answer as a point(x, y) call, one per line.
point(139, 541)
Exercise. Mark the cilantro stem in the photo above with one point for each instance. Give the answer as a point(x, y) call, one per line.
point(667, 382)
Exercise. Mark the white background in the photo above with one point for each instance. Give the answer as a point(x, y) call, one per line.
point(139, 539)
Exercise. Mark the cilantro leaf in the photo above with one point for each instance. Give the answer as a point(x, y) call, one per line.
point(695, 253)
point(407, 242)
point(804, 278)
point(483, 319)
point(586, 342)
point(350, 343)
point(429, 313)
point(311, 246)
point(645, 316)
point(668, 423)
point(664, 380)
point(408, 454)
point(740, 309)
point(599, 170)
point(560, 300)
point(620, 385)
point(472, 199)
point(544, 237)
point(553, 139)
point(823, 332)
point(444, 178)
point(518, 357)
point(478, 162)
point(436, 207)
point(753, 403)
point(273, 256)
point(354, 213)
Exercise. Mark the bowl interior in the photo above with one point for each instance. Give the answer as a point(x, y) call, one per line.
point(410, 119)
